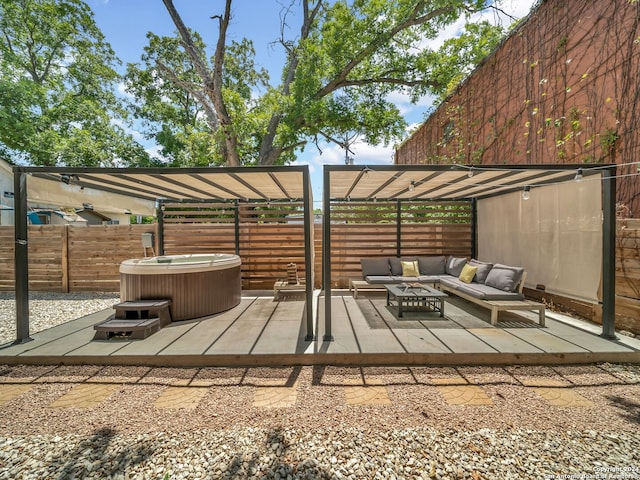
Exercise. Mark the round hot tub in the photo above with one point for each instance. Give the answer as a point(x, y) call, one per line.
point(197, 284)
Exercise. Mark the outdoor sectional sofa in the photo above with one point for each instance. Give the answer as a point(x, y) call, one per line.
point(494, 286)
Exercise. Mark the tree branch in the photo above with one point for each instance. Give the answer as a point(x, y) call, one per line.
point(369, 49)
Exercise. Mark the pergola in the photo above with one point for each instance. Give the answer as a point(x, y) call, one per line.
point(242, 185)
point(497, 185)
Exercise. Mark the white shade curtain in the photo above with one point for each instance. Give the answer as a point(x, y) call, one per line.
point(556, 235)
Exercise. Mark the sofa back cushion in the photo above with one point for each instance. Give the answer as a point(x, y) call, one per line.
point(483, 269)
point(396, 264)
point(431, 265)
point(504, 277)
point(455, 265)
point(374, 267)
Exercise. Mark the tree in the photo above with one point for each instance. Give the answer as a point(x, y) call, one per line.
point(57, 88)
point(341, 67)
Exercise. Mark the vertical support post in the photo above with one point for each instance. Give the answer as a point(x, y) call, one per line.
point(308, 255)
point(236, 225)
point(474, 228)
point(160, 216)
point(326, 254)
point(398, 228)
point(609, 254)
point(64, 240)
point(21, 257)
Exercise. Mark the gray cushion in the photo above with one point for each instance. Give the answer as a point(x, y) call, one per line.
point(483, 270)
point(479, 290)
point(374, 266)
point(455, 265)
point(431, 265)
point(382, 279)
point(396, 266)
point(504, 277)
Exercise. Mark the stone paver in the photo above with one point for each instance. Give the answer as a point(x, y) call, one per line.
point(464, 395)
point(563, 397)
point(9, 392)
point(84, 395)
point(366, 395)
point(185, 398)
point(275, 397)
point(457, 391)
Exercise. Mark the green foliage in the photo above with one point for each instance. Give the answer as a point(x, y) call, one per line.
point(342, 67)
point(57, 79)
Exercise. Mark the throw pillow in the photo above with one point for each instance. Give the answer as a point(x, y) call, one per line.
point(454, 266)
point(483, 269)
point(410, 269)
point(374, 267)
point(396, 264)
point(504, 277)
point(467, 274)
point(431, 265)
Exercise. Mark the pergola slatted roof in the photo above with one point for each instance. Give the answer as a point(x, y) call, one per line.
point(444, 183)
point(196, 184)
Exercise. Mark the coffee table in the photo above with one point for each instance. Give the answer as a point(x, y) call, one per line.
point(416, 297)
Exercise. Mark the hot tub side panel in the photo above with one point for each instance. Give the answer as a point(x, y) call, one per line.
point(192, 295)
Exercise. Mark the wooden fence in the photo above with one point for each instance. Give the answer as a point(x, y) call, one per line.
point(74, 258)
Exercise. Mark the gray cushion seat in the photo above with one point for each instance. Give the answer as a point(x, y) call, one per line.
point(480, 291)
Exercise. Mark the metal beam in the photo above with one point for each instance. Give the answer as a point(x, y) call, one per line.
point(609, 253)
point(160, 215)
point(21, 258)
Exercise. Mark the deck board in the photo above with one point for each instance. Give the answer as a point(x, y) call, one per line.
point(282, 333)
point(585, 339)
point(379, 339)
point(157, 342)
point(504, 341)
point(462, 341)
point(414, 335)
point(242, 334)
point(545, 341)
point(197, 340)
point(344, 340)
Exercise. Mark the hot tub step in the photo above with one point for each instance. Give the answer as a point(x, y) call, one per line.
point(143, 309)
point(134, 329)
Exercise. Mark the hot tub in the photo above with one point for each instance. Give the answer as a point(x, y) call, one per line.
point(197, 284)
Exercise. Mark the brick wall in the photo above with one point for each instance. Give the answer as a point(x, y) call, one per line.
point(564, 87)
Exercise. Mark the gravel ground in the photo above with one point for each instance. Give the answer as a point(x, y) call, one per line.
point(417, 434)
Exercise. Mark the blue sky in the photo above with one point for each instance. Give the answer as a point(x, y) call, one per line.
point(125, 24)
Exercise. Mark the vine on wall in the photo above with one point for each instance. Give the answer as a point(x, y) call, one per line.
point(555, 92)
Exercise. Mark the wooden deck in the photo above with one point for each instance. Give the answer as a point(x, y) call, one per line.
point(264, 332)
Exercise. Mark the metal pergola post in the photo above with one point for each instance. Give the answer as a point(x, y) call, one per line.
point(308, 246)
point(160, 216)
point(21, 257)
point(326, 254)
point(609, 253)
point(398, 228)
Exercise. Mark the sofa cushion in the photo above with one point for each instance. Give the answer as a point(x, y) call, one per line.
point(504, 277)
point(485, 292)
point(431, 265)
point(374, 266)
point(479, 290)
point(382, 279)
point(455, 265)
point(410, 269)
point(483, 269)
point(467, 274)
point(396, 264)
